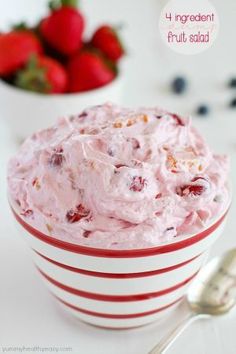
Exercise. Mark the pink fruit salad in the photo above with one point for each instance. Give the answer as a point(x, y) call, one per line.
point(119, 178)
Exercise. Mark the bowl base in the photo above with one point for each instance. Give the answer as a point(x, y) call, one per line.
point(118, 324)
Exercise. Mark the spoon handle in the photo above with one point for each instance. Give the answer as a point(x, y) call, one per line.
point(166, 342)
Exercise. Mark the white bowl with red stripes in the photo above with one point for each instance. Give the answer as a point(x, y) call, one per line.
point(119, 288)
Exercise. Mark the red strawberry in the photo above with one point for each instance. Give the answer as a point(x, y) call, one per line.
point(106, 39)
point(76, 214)
point(27, 213)
point(191, 190)
point(119, 165)
point(63, 28)
point(177, 119)
point(138, 183)
point(198, 186)
point(87, 71)
point(57, 159)
point(43, 74)
point(86, 233)
point(15, 50)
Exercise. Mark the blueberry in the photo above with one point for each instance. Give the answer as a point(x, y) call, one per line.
point(203, 110)
point(232, 82)
point(233, 103)
point(179, 85)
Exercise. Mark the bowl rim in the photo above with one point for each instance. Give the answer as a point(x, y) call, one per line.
point(17, 90)
point(166, 247)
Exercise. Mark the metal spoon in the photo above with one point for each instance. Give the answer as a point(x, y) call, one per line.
point(213, 292)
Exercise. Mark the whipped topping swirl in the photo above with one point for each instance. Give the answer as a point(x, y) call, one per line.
point(118, 178)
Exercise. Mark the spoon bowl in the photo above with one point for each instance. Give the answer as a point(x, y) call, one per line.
point(213, 292)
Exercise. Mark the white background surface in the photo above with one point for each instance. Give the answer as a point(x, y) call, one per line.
point(28, 315)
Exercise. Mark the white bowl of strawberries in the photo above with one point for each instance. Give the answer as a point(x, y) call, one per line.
point(50, 71)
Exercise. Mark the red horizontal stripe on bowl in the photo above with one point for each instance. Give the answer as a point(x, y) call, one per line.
point(117, 316)
point(117, 275)
point(116, 298)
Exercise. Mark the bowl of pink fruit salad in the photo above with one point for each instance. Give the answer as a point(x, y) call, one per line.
point(120, 208)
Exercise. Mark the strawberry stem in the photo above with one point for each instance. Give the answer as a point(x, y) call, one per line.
point(21, 26)
point(33, 77)
point(72, 3)
point(56, 4)
point(53, 5)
